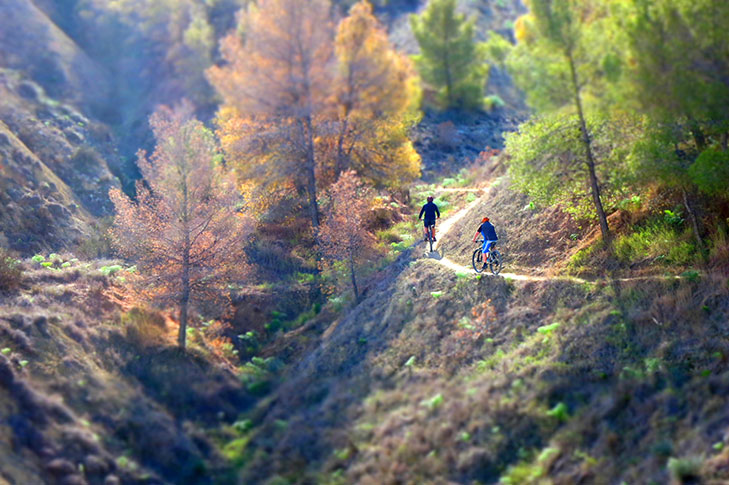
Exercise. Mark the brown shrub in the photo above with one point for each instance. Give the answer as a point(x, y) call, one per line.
point(144, 327)
point(97, 244)
point(11, 276)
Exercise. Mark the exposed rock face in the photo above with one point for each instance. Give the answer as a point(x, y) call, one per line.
point(57, 162)
point(54, 160)
point(50, 184)
point(31, 42)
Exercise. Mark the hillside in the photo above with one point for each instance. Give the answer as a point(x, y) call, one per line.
point(440, 376)
point(79, 80)
point(437, 375)
point(212, 266)
point(80, 401)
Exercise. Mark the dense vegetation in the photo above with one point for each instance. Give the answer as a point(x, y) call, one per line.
point(642, 83)
point(210, 269)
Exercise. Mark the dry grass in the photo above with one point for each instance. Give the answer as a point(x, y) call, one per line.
point(82, 382)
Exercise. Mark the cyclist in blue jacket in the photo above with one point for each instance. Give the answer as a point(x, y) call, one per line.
point(488, 231)
point(430, 210)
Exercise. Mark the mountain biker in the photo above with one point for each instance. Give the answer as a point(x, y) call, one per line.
point(430, 210)
point(488, 231)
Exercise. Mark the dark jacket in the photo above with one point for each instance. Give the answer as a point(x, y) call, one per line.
point(430, 210)
point(488, 231)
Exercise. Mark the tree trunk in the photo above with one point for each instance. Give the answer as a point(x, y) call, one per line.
point(311, 173)
point(594, 184)
point(724, 141)
point(186, 250)
point(699, 137)
point(447, 65)
point(354, 277)
point(181, 337)
point(340, 144)
point(694, 221)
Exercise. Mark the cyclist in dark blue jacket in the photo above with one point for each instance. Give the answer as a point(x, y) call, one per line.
point(488, 231)
point(430, 210)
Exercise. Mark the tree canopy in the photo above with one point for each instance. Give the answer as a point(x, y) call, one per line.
point(450, 61)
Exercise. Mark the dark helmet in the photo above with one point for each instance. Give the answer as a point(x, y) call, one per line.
point(430, 198)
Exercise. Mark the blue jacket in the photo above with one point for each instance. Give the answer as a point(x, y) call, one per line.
point(488, 231)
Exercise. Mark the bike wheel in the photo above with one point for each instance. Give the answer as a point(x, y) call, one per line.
point(477, 260)
point(430, 241)
point(495, 262)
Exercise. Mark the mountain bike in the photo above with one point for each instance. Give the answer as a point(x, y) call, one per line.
point(493, 261)
point(430, 231)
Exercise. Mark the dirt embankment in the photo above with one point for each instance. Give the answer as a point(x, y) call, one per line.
point(442, 377)
point(533, 241)
point(91, 393)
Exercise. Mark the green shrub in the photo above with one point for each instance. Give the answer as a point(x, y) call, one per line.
point(243, 425)
point(530, 471)
point(110, 270)
point(493, 101)
point(236, 451)
point(691, 275)
point(434, 402)
point(658, 240)
point(710, 172)
point(547, 330)
point(559, 412)
point(258, 374)
point(11, 276)
point(684, 470)
point(672, 218)
point(388, 236)
point(582, 258)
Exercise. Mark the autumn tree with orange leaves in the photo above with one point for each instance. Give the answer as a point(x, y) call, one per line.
point(183, 228)
point(375, 103)
point(275, 86)
point(343, 235)
point(303, 103)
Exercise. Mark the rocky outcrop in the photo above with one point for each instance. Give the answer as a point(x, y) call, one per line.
point(53, 172)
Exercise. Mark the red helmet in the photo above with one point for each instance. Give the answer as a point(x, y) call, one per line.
point(485, 219)
point(430, 198)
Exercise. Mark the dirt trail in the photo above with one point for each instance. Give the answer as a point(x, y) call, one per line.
point(448, 224)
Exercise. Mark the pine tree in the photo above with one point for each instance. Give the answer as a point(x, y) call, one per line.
point(182, 229)
point(554, 63)
point(450, 60)
point(676, 72)
point(343, 234)
point(375, 103)
point(278, 81)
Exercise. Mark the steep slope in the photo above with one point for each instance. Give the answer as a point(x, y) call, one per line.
point(56, 163)
point(92, 392)
point(53, 171)
point(440, 376)
point(32, 43)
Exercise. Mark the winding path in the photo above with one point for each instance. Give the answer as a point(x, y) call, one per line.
point(448, 224)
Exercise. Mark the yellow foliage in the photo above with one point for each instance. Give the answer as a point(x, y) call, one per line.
point(291, 114)
point(251, 150)
point(376, 100)
point(523, 29)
